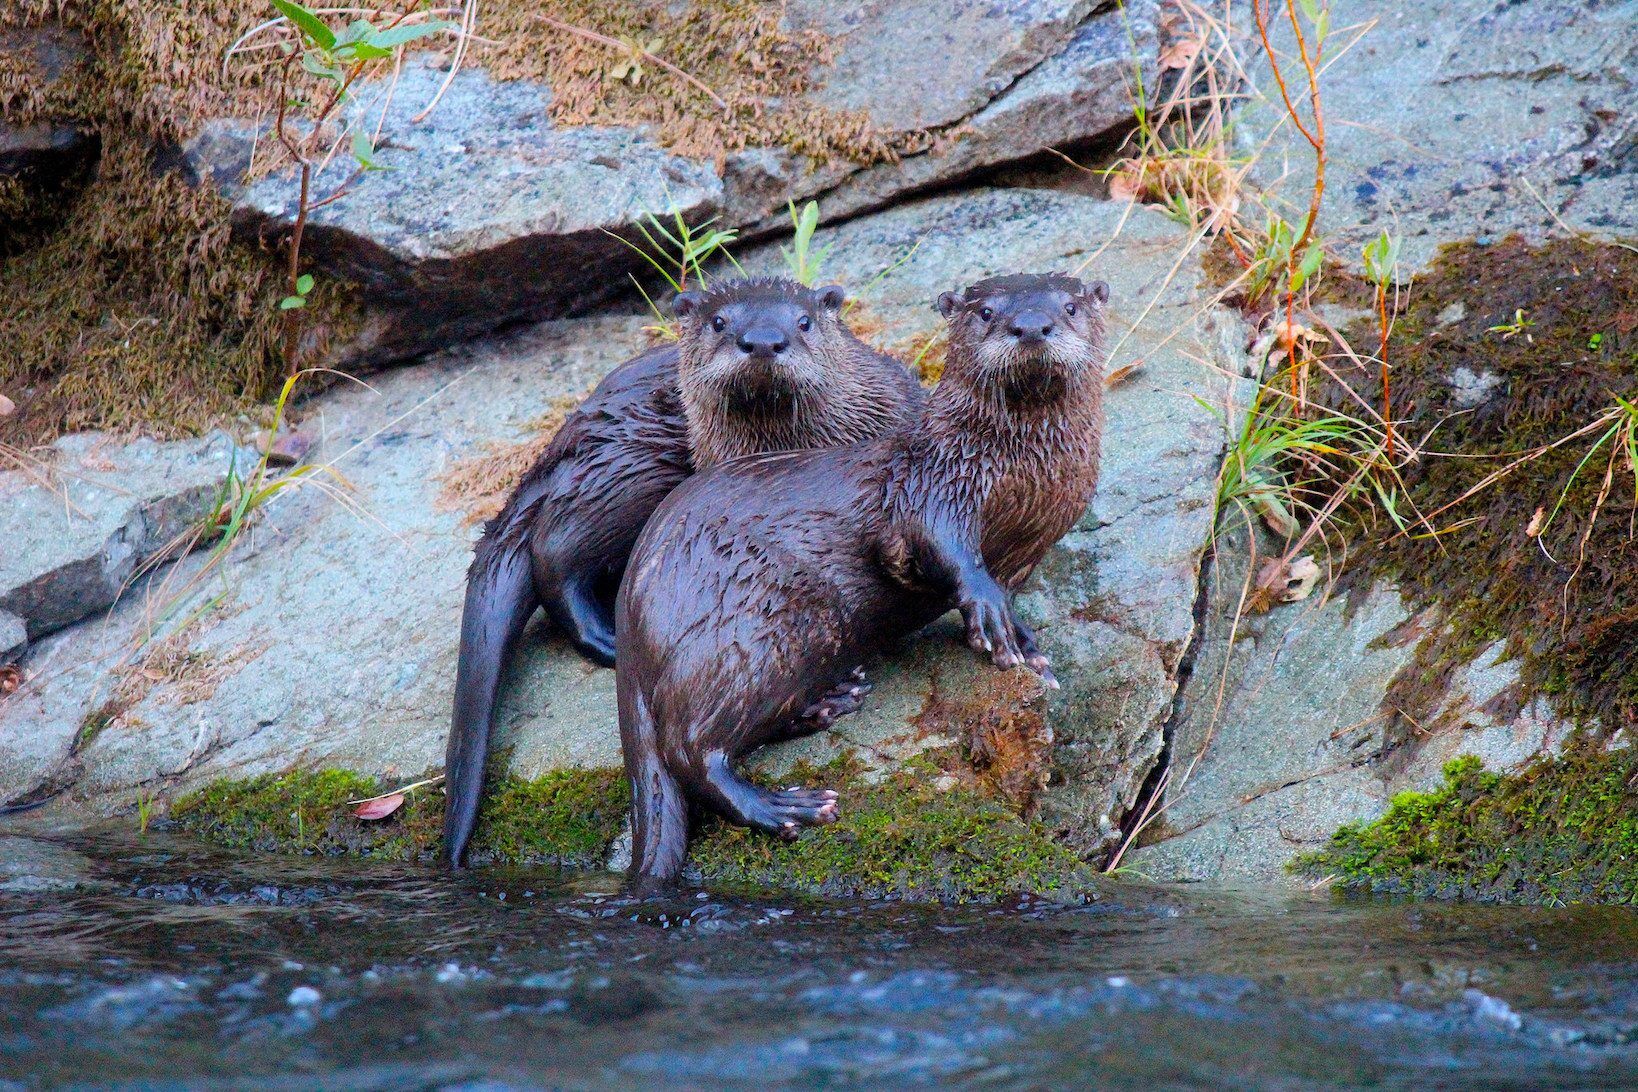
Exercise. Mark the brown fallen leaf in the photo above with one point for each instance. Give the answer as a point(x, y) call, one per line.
point(7, 406)
point(11, 677)
point(1534, 528)
point(1282, 581)
point(1122, 373)
point(1124, 186)
point(379, 808)
point(286, 449)
point(1181, 53)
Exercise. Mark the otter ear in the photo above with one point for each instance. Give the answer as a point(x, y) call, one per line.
point(948, 303)
point(832, 297)
point(686, 304)
point(1098, 290)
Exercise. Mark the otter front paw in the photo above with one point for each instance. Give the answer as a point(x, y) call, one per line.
point(1034, 658)
point(990, 628)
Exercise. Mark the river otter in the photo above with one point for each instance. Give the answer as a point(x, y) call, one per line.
point(755, 584)
point(759, 365)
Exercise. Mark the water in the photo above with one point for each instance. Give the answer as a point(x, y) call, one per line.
point(157, 962)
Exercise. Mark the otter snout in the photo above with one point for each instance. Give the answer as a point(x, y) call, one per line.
point(763, 341)
point(1031, 327)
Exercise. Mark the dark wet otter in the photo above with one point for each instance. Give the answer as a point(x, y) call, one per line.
point(756, 584)
point(760, 365)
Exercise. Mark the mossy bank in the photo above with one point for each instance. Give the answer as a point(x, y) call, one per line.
point(1563, 830)
point(912, 835)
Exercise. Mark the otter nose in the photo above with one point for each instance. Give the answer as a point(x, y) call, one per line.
point(763, 341)
point(1031, 326)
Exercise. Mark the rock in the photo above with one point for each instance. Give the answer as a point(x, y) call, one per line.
point(1078, 94)
point(13, 637)
point(489, 215)
point(349, 626)
point(1446, 116)
point(94, 514)
point(492, 214)
point(32, 865)
point(1293, 734)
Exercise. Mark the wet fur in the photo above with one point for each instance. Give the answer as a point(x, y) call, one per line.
point(758, 583)
point(563, 538)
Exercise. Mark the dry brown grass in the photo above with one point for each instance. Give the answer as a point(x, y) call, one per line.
point(478, 486)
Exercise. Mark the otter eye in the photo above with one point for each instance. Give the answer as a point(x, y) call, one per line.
point(1069, 308)
point(719, 324)
point(986, 314)
point(804, 324)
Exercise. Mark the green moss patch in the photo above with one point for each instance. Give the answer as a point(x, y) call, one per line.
point(1502, 350)
point(1564, 830)
point(567, 817)
point(911, 836)
point(903, 837)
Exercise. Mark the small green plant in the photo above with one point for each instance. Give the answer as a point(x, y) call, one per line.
point(1521, 324)
point(678, 253)
point(145, 812)
point(332, 63)
point(803, 261)
point(1381, 264)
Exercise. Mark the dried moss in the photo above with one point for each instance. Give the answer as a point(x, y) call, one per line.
point(904, 837)
point(567, 817)
point(1576, 640)
point(1564, 830)
point(740, 49)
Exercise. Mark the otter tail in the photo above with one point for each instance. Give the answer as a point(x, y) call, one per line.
point(500, 597)
point(659, 811)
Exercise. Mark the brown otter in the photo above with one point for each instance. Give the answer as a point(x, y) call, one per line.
point(755, 584)
point(760, 365)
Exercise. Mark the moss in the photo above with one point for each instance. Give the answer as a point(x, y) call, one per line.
point(1574, 630)
point(567, 817)
point(1563, 830)
point(903, 837)
point(911, 836)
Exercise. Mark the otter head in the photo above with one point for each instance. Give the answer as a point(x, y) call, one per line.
point(1029, 336)
point(755, 348)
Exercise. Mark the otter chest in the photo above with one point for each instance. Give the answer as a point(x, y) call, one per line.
point(1031, 507)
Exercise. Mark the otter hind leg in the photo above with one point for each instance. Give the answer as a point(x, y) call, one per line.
point(782, 812)
point(582, 615)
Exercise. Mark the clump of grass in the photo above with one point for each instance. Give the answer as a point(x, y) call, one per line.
point(1564, 830)
point(678, 252)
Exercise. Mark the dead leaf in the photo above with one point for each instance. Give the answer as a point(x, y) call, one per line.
point(1182, 52)
point(379, 808)
point(7, 406)
point(1534, 528)
point(1282, 581)
point(1124, 186)
point(286, 449)
point(11, 677)
point(1123, 373)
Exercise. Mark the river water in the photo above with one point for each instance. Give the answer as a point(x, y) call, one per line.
point(155, 962)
